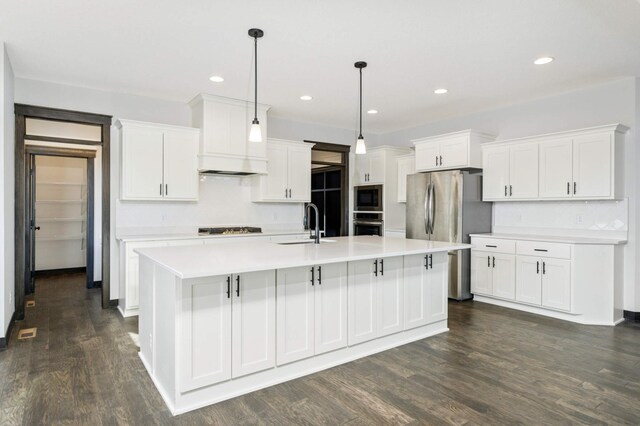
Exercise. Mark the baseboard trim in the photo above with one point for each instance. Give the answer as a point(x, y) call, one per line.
point(4, 341)
point(61, 271)
point(631, 315)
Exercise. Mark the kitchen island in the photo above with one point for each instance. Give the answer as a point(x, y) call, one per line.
point(217, 322)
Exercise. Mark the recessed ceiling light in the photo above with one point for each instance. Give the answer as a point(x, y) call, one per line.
point(372, 111)
point(440, 91)
point(216, 79)
point(544, 60)
point(306, 97)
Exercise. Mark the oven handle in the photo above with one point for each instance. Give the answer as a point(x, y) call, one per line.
point(359, 222)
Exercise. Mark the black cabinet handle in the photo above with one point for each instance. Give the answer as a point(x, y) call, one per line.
point(568, 188)
point(238, 285)
point(489, 261)
point(229, 287)
point(488, 245)
point(289, 192)
point(376, 269)
point(285, 193)
point(540, 250)
point(312, 275)
point(544, 268)
point(574, 188)
point(538, 267)
point(430, 261)
point(441, 160)
point(494, 262)
point(436, 160)
point(505, 190)
point(320, 275)
point(510, 190)
point(426, 263)
point(381, 266)
point(166, 189)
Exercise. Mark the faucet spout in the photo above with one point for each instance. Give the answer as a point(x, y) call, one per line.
point(315, 208)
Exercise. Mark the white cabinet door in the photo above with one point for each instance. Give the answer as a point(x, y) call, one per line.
point(592, 174)
point(438, 283)
point(330, 307)
point(416, 291)
point(390, 295)
point(142, 175)
point(556, 284)
point(495, 173)
point(406, 166)
point(181, 165)
point(299, 173)
point(481, 277)
point(529, 279)
point(504, 275)
point(427, 156)
point(295, 316)
point(274, 184)
point(523, 171)
point(362, 169)
point(362, 302)
point(205, 334)
point(556, 173)
point(254, 322)
point(454, 153)
point(376, 167)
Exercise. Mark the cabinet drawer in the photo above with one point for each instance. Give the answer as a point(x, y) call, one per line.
point(494, 245)
point(544, 249)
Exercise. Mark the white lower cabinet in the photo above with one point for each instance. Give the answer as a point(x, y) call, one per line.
point(544, 281)
point(493, 274)
point(425, 289)
point(227, 328)
point(311, 311)
point(529, 283)
point(375, 298)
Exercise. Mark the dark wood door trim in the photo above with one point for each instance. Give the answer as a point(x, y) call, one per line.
point(22, 112)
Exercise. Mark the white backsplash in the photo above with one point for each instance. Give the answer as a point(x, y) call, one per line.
point(588, 218)
point(223, 201)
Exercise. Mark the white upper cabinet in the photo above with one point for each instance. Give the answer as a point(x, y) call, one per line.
point(224, 141)
point(406, 166)
point(510, 172)
point(458, 150)
point(288, 177)
point(159, 162)
point(582, 164)
point(370, 168)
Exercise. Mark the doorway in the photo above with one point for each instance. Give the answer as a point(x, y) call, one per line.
point(60, 213)
point(53, 132)
point(329, 187)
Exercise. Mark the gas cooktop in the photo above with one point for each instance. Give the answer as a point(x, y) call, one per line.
point(229, 230)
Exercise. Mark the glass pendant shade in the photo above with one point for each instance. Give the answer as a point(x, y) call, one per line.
point(360, 146)
point(255, 134)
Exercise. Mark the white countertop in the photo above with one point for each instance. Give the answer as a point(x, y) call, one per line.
point(553, 238)
point(250, 256)
point(189, 235)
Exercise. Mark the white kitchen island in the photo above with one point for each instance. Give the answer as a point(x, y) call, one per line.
point(217, 322)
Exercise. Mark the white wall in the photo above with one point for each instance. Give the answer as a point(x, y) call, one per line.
point(7, 155)
point(612, 102)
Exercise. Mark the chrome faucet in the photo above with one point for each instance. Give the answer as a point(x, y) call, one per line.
point(317, 236)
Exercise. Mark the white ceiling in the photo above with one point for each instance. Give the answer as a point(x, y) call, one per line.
point(481, 50)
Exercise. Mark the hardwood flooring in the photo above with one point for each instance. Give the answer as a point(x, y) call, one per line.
point(496, 366)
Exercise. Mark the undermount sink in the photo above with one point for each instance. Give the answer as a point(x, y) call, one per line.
point(288, 243)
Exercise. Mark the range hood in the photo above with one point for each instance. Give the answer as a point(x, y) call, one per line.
point(224, 136)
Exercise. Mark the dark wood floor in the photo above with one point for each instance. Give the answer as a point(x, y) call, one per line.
point(496, 366)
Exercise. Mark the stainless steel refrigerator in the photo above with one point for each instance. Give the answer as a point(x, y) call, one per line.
point(447, 206)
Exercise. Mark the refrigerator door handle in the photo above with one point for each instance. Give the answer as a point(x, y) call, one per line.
point(432, 208)
point(427, 217)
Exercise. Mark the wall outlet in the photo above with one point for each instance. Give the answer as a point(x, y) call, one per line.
point(579, 219)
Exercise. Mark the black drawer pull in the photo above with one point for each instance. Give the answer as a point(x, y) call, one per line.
point(545, 250)
point(487, 245)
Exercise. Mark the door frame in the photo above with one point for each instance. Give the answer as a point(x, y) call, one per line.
point(344, 185)
point(22, 112)
point(89, 155)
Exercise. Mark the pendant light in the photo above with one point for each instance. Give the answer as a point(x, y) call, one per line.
point(360, 146)
point(255, 135)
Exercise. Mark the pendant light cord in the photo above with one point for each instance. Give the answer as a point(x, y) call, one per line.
point(255, 38)
point(360, 102)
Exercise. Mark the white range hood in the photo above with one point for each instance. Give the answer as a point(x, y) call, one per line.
point(224, 136)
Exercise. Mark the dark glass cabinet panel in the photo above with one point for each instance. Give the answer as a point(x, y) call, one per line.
point(326, 194)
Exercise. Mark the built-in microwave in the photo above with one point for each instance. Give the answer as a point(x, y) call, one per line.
point(368, 198)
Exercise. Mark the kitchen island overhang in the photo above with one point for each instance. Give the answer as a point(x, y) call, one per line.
point(220, 321)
